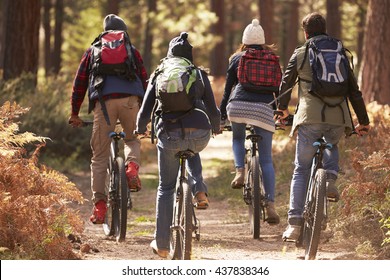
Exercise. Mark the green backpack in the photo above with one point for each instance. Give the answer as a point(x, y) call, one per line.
point(174, 78)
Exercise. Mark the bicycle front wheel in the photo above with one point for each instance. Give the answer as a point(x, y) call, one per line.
point(254, 181)
point(315, 214)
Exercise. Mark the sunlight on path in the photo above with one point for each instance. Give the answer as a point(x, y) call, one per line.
point(220, 147)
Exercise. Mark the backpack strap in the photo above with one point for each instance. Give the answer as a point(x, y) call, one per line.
point(326, 104)
point(98, 85)
point(305, 56)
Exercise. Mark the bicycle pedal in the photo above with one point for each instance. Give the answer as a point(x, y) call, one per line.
point(175, 228)
point(197, 236)
point(285, 239)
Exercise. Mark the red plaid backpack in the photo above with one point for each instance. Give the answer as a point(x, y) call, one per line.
point(259, 70)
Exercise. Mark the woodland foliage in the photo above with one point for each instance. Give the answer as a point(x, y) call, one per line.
point(36, 216)
point(366, 194)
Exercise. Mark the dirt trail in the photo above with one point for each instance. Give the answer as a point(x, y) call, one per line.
point(224, 228)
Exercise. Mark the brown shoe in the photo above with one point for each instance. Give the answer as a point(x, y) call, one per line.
point(239, 180)
point(162, 253)
point(201, 201)
point(272, 217)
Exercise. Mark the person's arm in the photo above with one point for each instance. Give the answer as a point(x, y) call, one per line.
point(209, 102)
point(144, 114)
point(141, 70)
point(231, 81)
point(288, 81)
point(80, 86)
point(358, 105)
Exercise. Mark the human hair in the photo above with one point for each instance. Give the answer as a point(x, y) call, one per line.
point(243, 47)
point(314, 24)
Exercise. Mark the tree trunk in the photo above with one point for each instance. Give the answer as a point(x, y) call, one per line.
point(59, 10)
point(375, 69)
point(333, 18)
point(147, 53)
point(112, 7)
point(291, 30)
point(22, 34)
point(47, 31)
point(267, 19)
point(218, 63)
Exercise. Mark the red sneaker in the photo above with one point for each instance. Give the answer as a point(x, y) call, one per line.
point(99, 212)
point(133, 180)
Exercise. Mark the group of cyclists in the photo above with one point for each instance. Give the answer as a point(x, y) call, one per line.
point(132, 102)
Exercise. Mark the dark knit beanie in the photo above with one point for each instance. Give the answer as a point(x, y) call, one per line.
point(113, 22)
point(179, 46)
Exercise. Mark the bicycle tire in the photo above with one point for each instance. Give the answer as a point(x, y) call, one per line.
point(188, 208)
point(111, 220)
point(254, 207)
point(181, 239)
point(176, 233)
point(313, 222)
point(122, 199)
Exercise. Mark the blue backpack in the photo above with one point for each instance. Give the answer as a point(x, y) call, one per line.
point(330, 67)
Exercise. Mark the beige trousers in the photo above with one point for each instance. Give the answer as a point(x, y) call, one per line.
point(125, 110)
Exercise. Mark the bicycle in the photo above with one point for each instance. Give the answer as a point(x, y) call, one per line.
point(184, 221)
point(118, 193)
point(315, 213)
point(253, 191)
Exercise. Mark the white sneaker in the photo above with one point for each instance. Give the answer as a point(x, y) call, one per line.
point(292, 233)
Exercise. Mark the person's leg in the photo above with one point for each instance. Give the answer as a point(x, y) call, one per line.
point(100, 143)
point(268, 172)
point(168, 172)
point(238, 138)
point(128, 108)
point(197, 141)
point(304, 152)
point(266, 163)
point(331, 160)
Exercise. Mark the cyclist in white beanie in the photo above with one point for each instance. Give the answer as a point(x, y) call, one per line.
point(253, 34)
point(249, 88)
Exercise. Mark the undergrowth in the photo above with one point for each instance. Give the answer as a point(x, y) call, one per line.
point(364, 211)
point(35, 213)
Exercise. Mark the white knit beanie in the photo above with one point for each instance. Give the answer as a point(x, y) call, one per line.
point(253, 34)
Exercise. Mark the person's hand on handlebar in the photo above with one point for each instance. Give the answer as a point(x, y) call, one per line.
point(362, 129)
point(281, 119)
point(281, 114)
point(75, 121)
point(141, 135)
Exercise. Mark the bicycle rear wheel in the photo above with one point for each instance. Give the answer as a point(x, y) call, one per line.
point(181, 237)
point(111, 220)
point(176, 234)
point(254, 207)
point(122, 197)
point(313, 218)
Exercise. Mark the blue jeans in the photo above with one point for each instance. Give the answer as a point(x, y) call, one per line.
point(304, 152)
point(265, 155)
point(167, 147)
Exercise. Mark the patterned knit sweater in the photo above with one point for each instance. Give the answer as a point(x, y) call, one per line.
point(252, 113)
